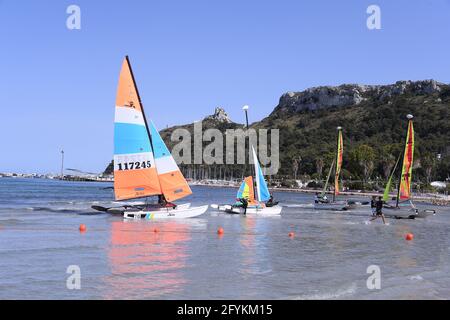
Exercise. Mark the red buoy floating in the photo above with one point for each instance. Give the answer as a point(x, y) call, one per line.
point(220, 230)
point(155, 230)
point(409, 236)
point(291, 234)
point(82, 228)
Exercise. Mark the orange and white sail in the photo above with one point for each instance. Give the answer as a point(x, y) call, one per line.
point(135, 173)
point(173, 184)
point(408, 158)
point(143, 166)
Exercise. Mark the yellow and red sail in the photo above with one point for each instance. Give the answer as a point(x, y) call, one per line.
point(136, 161)
point(339, 158)
point(408, 159)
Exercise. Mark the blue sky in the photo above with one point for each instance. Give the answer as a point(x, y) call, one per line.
point(57, 86)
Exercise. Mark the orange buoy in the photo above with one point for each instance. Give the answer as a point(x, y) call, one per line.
point(82, 228)
point(220, 230)
point(409, 236)
point(291, 234)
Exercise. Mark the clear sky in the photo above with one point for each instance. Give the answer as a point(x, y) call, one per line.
point(57, 86)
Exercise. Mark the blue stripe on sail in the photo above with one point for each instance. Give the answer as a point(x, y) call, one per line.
point(241, 190)
point(159, 147)
point(263, 189)
point(130, 138)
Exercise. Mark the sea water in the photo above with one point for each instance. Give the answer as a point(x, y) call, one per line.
point(327, 258)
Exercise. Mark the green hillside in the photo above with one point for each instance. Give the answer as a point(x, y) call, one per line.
point(374, 125)
point(374, 133)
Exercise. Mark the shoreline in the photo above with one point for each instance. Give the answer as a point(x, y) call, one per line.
point(434, 199)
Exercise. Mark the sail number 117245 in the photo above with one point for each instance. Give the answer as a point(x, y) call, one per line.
point(134, 165)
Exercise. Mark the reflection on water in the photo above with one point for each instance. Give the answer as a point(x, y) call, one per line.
point(253, 245)
point(145, 263)
point(404, 259)
point(254, 259)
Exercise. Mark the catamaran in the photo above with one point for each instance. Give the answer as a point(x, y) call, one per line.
point(322, 203)
point(143, 165)
point(404, 207)
point(259, 202)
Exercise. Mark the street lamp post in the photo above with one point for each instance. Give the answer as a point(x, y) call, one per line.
point(62, 164)
point(245, 108)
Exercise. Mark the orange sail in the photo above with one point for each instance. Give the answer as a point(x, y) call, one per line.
point(135, 173)
point(408, 158)
point(339, 157)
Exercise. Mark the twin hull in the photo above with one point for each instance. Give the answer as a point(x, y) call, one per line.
point(409, 213)
point(270, 211)
point(182, 211)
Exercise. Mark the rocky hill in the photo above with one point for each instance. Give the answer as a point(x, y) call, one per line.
point(218, 120)
point(353, 94)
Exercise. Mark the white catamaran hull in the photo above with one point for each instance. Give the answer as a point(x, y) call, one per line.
point(407, 213)
point(266, 211)
point(179, 212)
point(138, 207)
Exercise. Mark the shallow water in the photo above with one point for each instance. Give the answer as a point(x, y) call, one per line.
point(253, 259)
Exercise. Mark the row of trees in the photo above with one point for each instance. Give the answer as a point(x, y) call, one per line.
point(366, 163)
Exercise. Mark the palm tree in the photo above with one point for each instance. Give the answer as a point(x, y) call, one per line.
point(319, 167)
point(295, 165)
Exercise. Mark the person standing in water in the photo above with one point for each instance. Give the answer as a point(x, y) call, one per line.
point(244, 204)
point(373, 205)
point(379, 210)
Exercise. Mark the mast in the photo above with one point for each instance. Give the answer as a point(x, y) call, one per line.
point(245, 108)
point(142, 108)
point(62, 164)
point(324, 191)
point(337, 168)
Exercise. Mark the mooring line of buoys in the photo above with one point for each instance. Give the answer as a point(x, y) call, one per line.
point(82, 228)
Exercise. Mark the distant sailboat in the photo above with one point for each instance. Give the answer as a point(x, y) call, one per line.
point(258, 198)
point(404, 207)
point(143, 166)
point(323, 203)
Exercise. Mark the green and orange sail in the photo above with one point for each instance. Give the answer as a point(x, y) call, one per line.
point(408, 158)
point(339, 156)
point(388, 187)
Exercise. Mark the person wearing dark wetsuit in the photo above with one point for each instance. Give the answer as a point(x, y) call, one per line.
point(379, 210)
point(163, 202)
point(316, 198)
point(244, 204)
point(269, 203)
point(373, 206)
